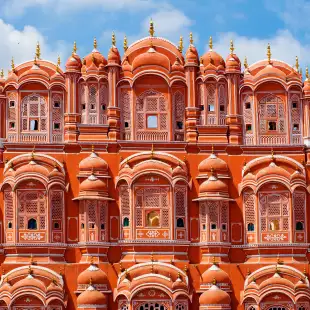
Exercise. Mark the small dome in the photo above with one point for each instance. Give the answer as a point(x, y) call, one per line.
point(214, 59)
point(249, 176)
point(297, 175)
point(151, 57)
point(74, 63)
point(12, 77)
point(177, 66)
point(293, 76)
point(57, 77)
point(32, 167)
point(91, 297)
point(93, 274)
point(93, 184)
point(53, 287)
point(126, 66)
point(306, 87)
point(233, 63)
point(215, 273)
point(93, 162)
point(28, 282)
point(213, 185)
point(55, 173)
point(96, 58)
point(214, 162)
point(301, 285)
point(214, 296)
point(273, 169)
point(35, 70)
point(276, 280)
point(178, 171)
point(113, 56)
point(179, 285)
point(191, 55)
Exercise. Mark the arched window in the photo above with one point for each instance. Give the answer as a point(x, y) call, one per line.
point(299, 226)
point(222, 105)
point(180, 222)
point(153, 219)
point(179, 115)
point(211, 115)
point(32, 224)
point(126, 222)
point(152, 306)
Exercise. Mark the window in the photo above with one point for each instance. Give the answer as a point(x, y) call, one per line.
point(274, 225)
point(82, 226)
point(294, 104)
point(10, 225)
point(92, 225)
point(202, 107)
point(248, 105)
point(103, 107)
point(83, 106)
point(32, 224)
point(93, 107)
point(56, 225)
point(152, 121)
point(296, 127)
point(213, 226)
point(126, 124)
point(11, 125)
point(248, 127)
point(12, 104)
point(272, 126)
point(56, 126)
point(56, 104)
point(250, 227)
point(222, 108)
point(299, 226)
point(126, 222)
point(180, 222)
point(180, 125)
point(224, 227)
point(34, 124)
point(102, 226)
point(210, 107)
point(204, 227)
point(152, 219)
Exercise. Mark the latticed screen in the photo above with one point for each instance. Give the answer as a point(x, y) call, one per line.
point(125, 104)
point(274, 212)
point(152, 207)
point(250, 210)
point(179, 115)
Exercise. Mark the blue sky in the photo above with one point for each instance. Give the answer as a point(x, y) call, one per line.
point(250, 23)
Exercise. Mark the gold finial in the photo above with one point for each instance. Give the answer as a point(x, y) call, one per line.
point(305, 271)
point(180, 48)
point(91, 260)
point(2, 74)
point(58, 61)
point(213, 260)
point(38, 51)
point(307, 73)
point(152, 257)
point(249, 272)
point(92, 57)
point(74, 48)
point(152, 151)
point(54, 280)
point(126, 274)
point(231, 47)
point(93, 148)
point(296, 63)
point(91, 281)
point(191, 40)
point(212, 149)
point(272, 155)
point(185, 268)
point(210, 43)
point(179, 275)
point(95, 43)
point(12, 64)
point(245, 63)
point(212, 174)
point(151, 30)
point(214, 281)
point(31, 259)
point(277, 269)
point(35, 60)
point(120, 266)
point(125, 45)
point(113, 39)
point(268, 53)
point(29, 270)
point(254, 279)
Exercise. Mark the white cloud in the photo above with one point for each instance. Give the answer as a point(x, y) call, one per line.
point(60, 6)
point(284, 46)
point(21, 45)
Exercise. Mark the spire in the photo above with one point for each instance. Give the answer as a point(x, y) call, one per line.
point(113, 39)
point(95, 43)
point(245, 63)
point(74, 48)
point(38, 51)
point(125, 45)
point(307, 73)
point(296, 63)
point(12, 64)
point(180, 48)
point(210, 43)
point(2, 74)
point(58, 63)
point(191, 40)
point(231, 47)
point(268, 53)
point(214, 281)
point(151, 29)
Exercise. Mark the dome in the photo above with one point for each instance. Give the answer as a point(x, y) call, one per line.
point(214, 162)
point(91, 297)
point(276, 280)
point(178, 171)
point(306, 87)
point(213, 185)
point(191, 55)
point(53, 287)
point(93, 184)
point(214, 296)
point(35, 70)
point(177, 66)
point(297, 175)
point(95, 57)
point(29, 281)
point(32, 167)
point(55, 173)
point(74, 63)
point(93, 274)
point(215, 273)
point(214, 59)
point(179, 285)
point(301, 285)
point(233, 63)
point(294, 76)
point(12, 77)
point(271, 71)
point(272, 169)
point(57, 76)
point(113, 56)
point(151, 57)
point(93, 162)
point(249, 177)
point(126, 66)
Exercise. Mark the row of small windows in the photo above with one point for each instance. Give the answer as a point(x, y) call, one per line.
point(34, 125)
point(274, 225)
point(213, 226)
point(294, 105)
point(272, 126)
point(32, 224)
point(92, 226)
point(93, 107)
point(153, 220)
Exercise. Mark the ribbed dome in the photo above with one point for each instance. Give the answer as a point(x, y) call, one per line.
point(94, 58)
point(35, 70)
point(177, 66)
point(214, 162)
point(213, 185)
point(113, 56)
point(93, 274)
point(271, 170)
point(29, 281)
point(179, 285)
point(233, 63)
point(215, 273)
point(91, 297)
point(151, 57)
point(74, 63)
point(214, 59)
point(93, 184)
point(178, 171)
point(191, 55)
point(297, 176)
point(306, 87)
point(214, 296)
point(93, 162)
point(271, 71)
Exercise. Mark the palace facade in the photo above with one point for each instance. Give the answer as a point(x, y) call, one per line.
point(154, 181)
